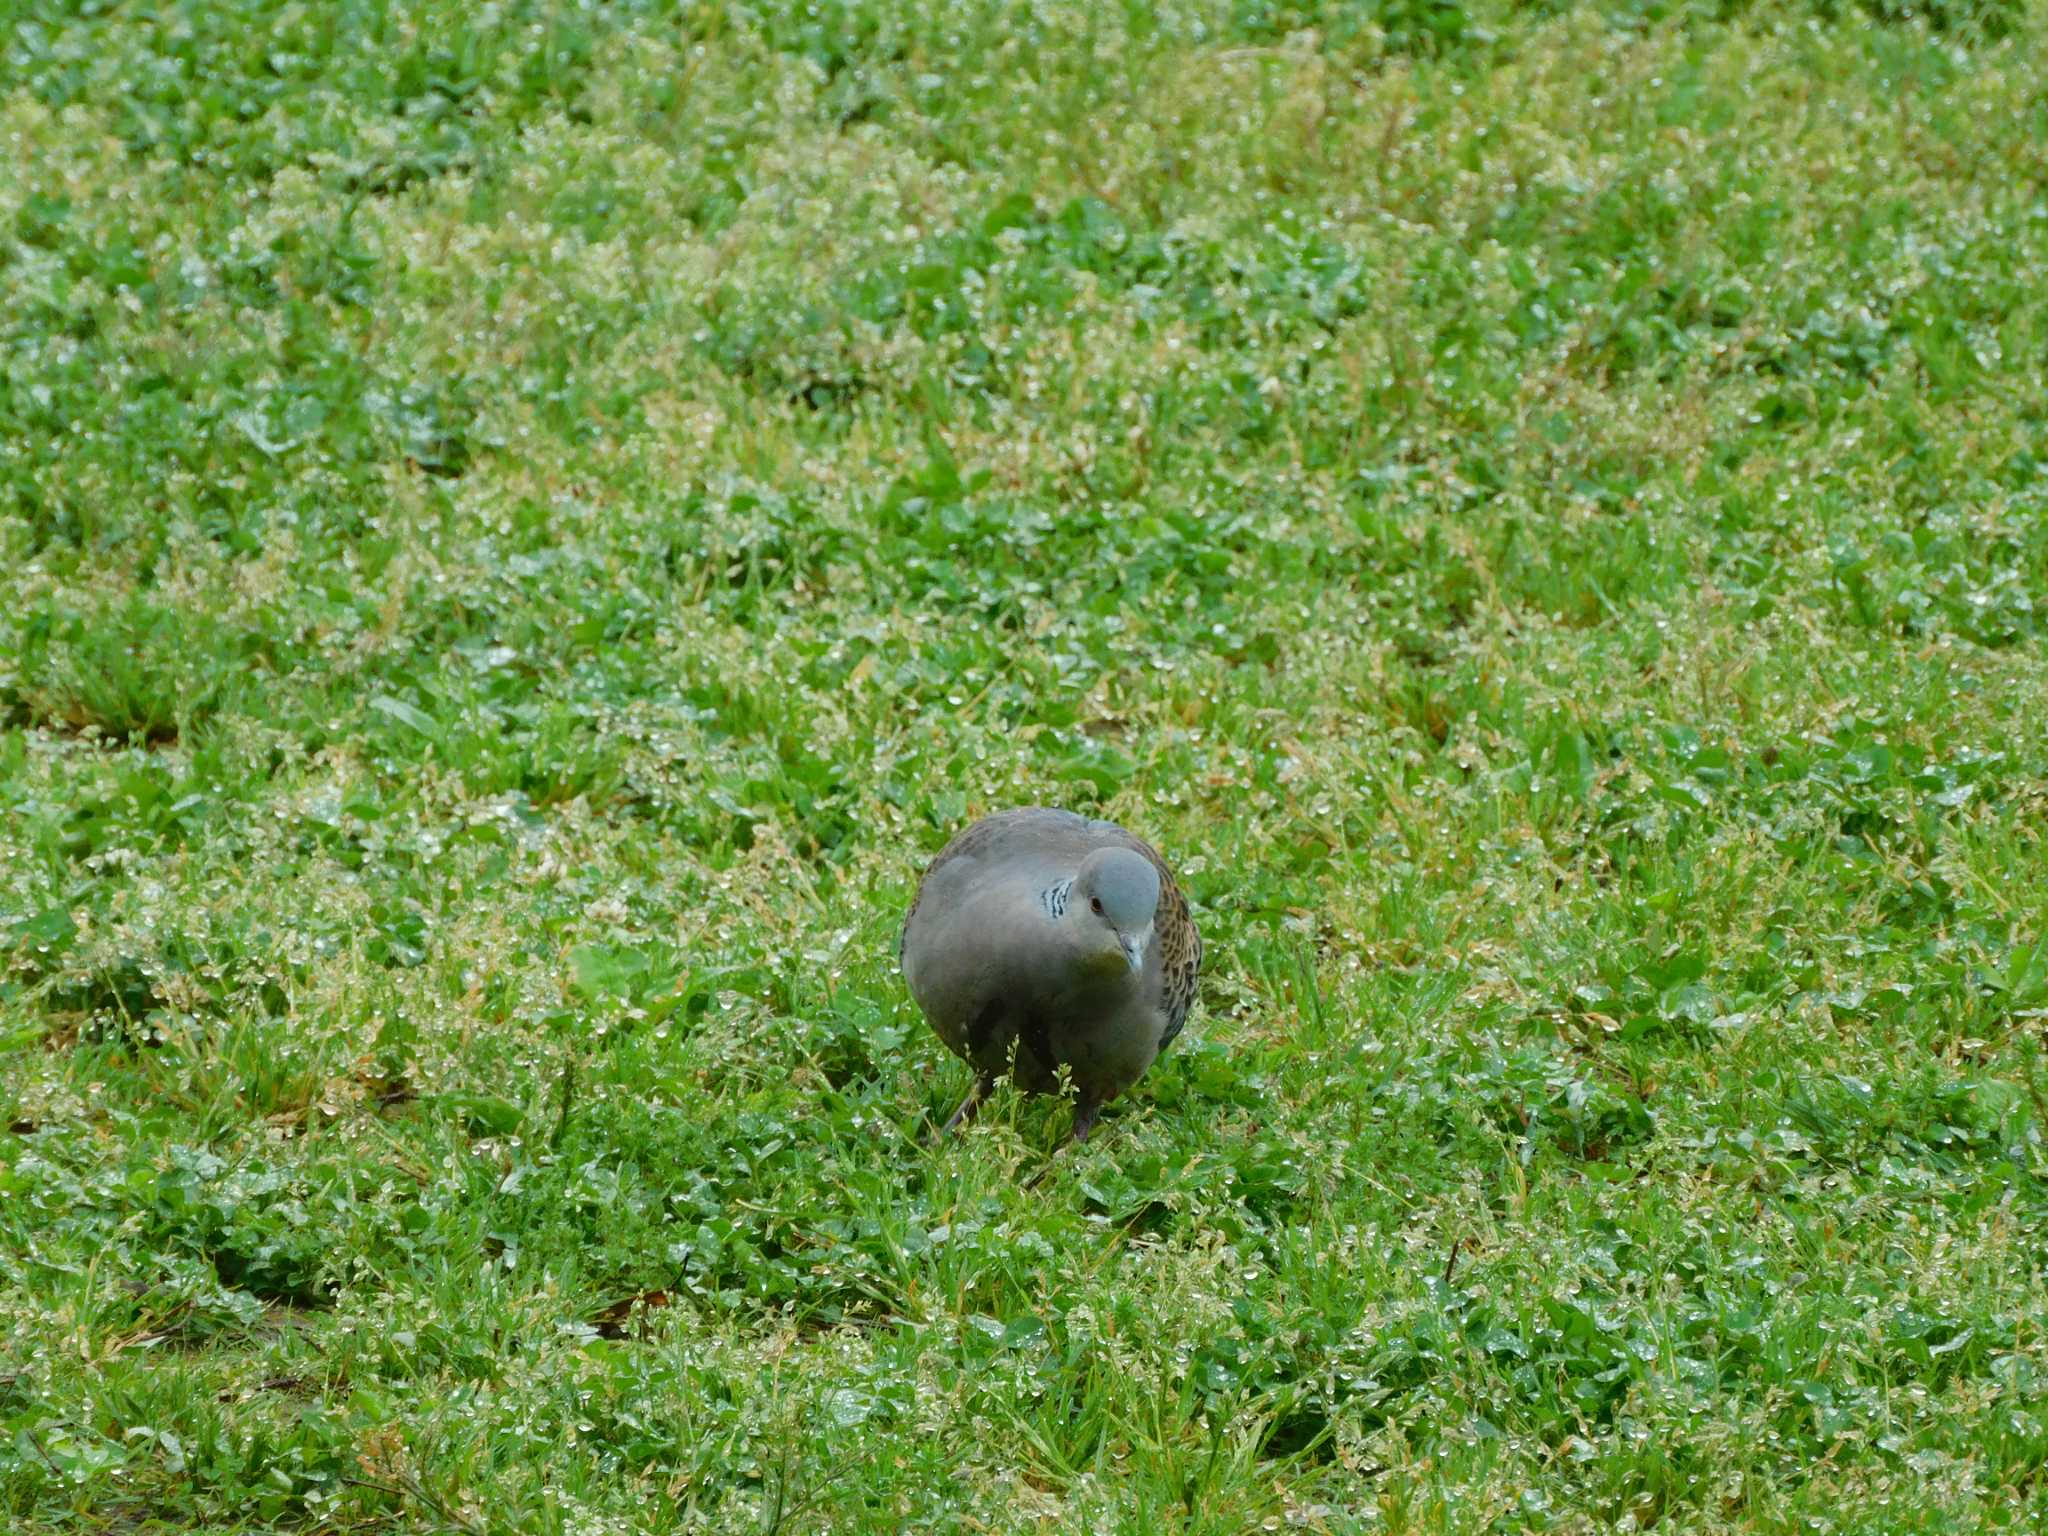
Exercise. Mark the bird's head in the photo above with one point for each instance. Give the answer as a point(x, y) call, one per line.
point(1115, 896)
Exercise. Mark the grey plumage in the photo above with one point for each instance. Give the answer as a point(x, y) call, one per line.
point(1040, 939)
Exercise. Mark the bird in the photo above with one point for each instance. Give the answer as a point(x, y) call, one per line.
point(1040, 939)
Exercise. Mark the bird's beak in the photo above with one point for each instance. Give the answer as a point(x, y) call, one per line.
point(1133, 945)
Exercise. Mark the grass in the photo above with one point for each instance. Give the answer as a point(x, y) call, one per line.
point(522, 527)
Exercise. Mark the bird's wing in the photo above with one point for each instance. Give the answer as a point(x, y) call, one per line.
point(1180, 954)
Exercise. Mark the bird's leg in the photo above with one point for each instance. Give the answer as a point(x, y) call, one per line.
point(1085, 1111)
point(969, 1106)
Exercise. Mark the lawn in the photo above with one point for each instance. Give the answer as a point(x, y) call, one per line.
point(523, 526)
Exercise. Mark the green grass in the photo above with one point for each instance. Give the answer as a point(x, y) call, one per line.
point(521, 527)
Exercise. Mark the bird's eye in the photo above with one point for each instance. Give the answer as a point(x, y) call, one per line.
point(1096, 903)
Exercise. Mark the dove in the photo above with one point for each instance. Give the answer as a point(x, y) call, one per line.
point(1040, 940)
